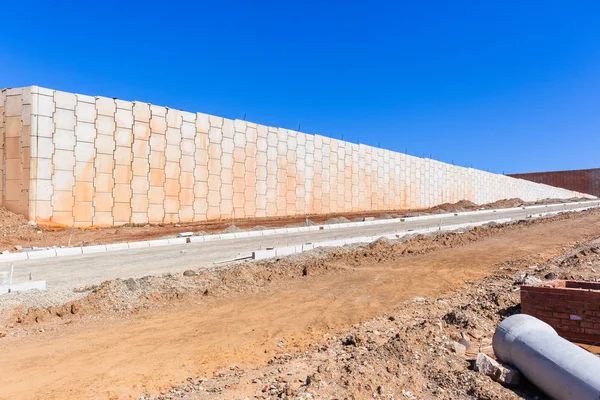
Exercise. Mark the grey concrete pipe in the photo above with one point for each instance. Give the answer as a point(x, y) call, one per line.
point(556, 366)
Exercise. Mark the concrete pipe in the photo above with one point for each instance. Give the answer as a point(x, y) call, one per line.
point(556, 366)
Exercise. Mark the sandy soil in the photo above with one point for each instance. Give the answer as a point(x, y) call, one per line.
point(179, 336)
point(15, 231)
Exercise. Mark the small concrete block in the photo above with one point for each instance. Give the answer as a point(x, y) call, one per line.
point(85, 112)
point(202, 122)
point(94, 249)
point(285, 251)
point(141, 111)
point(138, 245)
point(141, 131)
point(13, 257)
point(64, 119)
point(188, 128)
point(63, 160)
point(210, 238)
point(64, 139)
point(181, 240)
point(44, 107)
point(124, 118)
point(197, 239)
point(227, 236)
point(188, 147)
point(105, 144)
point(122, 212)
point(35, 255)
point(174, 119)
point(105, 125)
point(23, 286)
point(116, 246)
point(65, 100)
point(263, 254)
point(85, 132)
point(68, 251)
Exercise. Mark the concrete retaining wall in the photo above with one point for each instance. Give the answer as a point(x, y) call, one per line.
point(581, 180)
point(81, 160)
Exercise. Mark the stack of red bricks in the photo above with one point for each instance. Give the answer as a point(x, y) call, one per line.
point(572, 308)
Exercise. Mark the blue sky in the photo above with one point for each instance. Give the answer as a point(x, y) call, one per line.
point(511, 86)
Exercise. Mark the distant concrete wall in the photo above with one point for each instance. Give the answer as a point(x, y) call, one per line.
point(582, 180)
point(100, 161)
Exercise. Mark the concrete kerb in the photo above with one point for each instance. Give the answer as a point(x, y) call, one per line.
point(67, 251)
point(60, 252)
point(289, 250)
point(23, 286)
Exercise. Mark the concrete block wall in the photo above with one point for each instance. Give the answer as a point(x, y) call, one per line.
point(80, 160)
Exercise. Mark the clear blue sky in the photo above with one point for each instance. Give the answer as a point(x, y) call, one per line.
point(509, 86)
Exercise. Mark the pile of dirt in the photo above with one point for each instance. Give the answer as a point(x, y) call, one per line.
point(425, 349)
point(15, 230)
point(338, 220)
point(463, 205)
point(231, 229)
point(510, 203)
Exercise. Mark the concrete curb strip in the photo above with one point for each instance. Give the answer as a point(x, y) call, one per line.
point(19, 287)
point(61, 252)
point(289, 250)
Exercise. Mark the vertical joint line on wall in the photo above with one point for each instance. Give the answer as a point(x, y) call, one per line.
point(52, 180)
point(3, 131)
point(148, 158)
point(132, 160)
point(114, 178)
point(194, 167)
point(94, 172)
point(179, 195)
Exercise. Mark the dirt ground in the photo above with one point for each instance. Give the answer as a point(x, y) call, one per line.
point(15, 231)
point(357, 322)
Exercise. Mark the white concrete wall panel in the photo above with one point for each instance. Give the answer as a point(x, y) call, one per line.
point(79, 160)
